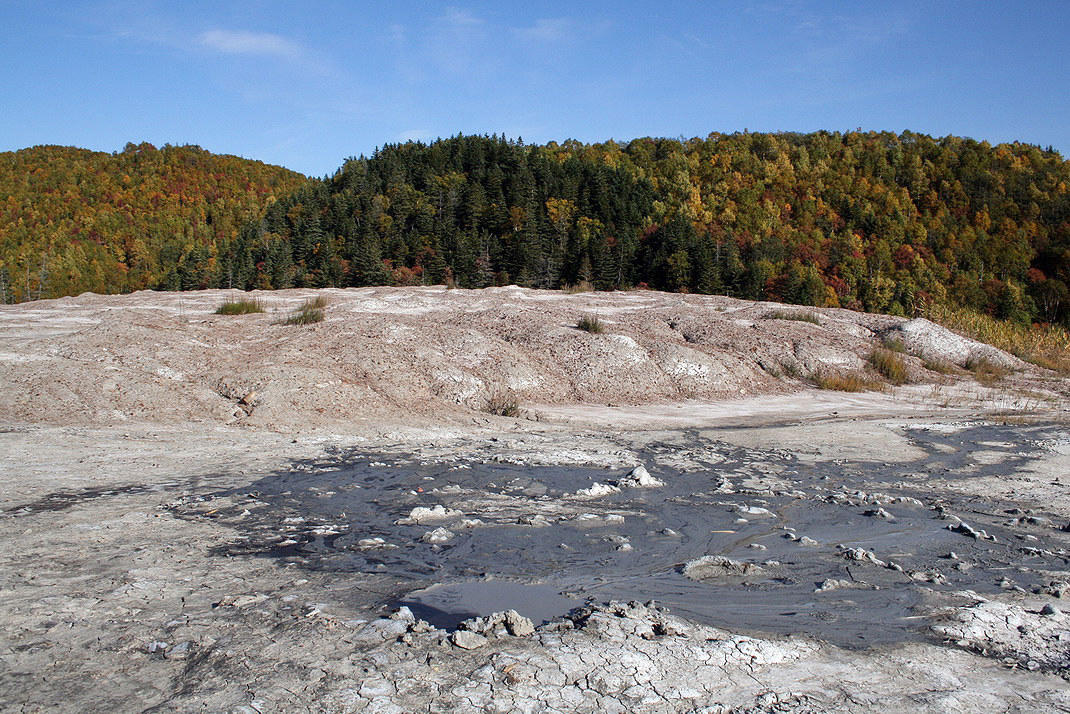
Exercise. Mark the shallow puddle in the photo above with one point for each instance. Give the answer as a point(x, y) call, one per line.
point(445, 606)
point(516, 537)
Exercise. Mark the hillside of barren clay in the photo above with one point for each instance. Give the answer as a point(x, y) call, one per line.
point(414, 355)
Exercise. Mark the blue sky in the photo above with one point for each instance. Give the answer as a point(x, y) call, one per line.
point(307, 83)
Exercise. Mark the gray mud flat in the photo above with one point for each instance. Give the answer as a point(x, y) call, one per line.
point(844, 552)
point(795, 568)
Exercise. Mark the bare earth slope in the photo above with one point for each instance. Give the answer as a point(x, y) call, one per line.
point(398, 355)
point(211, 513)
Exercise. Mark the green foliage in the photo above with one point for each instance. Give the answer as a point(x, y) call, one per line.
point(73, 220)
point(242, 306)
point(310, 312)
point(590, 323)
point(884, 222)
point(890, 365)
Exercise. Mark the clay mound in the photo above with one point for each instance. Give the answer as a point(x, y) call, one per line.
point(931, 341)
point(709, 567)
point(387, 355)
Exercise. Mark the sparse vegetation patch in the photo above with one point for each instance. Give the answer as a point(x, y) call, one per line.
point(1046, 346)
point(241, 306)
point(845, 382)
point(939, 366)
point(583, 286)
point(987, 372)
point(890, 365)
point(310, 312)
point(503, 404)
point(895, 344)
point(591, 323)
point(797, 315)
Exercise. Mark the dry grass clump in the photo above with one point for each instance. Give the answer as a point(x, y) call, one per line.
point(781, 370)
point(241, 306)
point(987, 372)
point(890, 365)
point(845, 382)
point(583, 286)
point(797, 315)
point(895, 344)
point(939, 366)
point(591, 323)
point(503, 404)
point(1046, 346)
point(310, 312)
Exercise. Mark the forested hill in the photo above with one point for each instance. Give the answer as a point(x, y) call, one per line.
point(73, 220)
point(874, 221)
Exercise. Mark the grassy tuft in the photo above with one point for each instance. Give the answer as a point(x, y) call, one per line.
point(890, 365)
point(242, 306)
point(310, 312)
point(939, 366)
point(797, 315)
point(844, 382)
point(591, 323)
point(583, 286)
point(895, 344)
point(503, 404)
point(986, 372)
point(1046, 346)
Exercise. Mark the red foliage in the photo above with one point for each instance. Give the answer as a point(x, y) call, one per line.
point(903, 256)
point(1035, 276)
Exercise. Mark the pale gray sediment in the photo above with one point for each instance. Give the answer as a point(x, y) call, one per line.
point(817, 522)
point(273, 590)
point(210, 514)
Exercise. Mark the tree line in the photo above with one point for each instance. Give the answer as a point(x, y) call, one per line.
point(73, 220)
point(864, 220)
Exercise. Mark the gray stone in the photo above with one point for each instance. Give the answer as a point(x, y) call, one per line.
point(518, 625)
point(467, 640)
point(639, 477)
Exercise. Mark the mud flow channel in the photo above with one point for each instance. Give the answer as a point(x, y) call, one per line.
point(748, 539)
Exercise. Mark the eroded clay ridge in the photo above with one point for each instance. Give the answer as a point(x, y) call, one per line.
point(431, 352)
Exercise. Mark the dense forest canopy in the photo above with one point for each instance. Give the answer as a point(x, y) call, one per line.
point(874, 221)
point(73, 220)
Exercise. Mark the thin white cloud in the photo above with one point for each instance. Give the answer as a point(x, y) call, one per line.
point(545, 30)
point(458, 18)
point(242, 42)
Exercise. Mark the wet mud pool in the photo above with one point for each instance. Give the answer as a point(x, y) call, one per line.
point(840, 550)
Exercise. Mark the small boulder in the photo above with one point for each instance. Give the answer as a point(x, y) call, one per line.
point(422, 514)
point(467, 640)
point(639, 477)
point(439, 535)
point(597, 490)
point(518, 625)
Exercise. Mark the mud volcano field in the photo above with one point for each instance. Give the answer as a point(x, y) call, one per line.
point(747, 539)
point(211, 513)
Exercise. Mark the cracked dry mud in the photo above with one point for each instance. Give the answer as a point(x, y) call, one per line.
point(803, 551)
